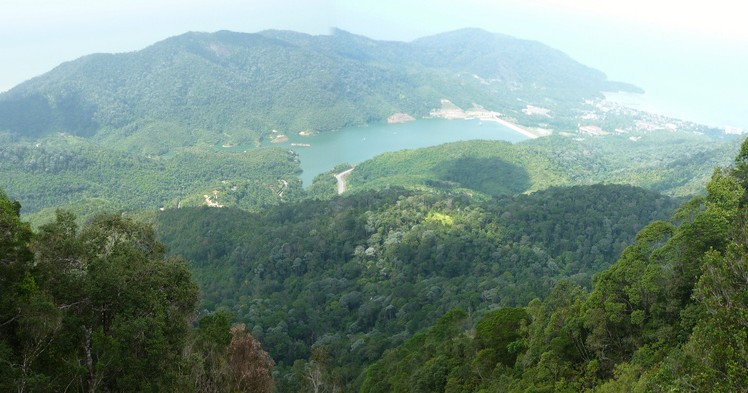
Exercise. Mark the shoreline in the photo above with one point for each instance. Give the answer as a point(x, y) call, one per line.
point(450, 111)
point(655, 104)
point(514, 127)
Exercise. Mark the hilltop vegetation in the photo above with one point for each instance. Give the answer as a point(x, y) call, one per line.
point(228, 87)
point(498, 168)
point(146, 130)
point(367, 292)
point(669, 315)
point(69, 171)
point(471, 266)
point(102, 308)
point(332, 284)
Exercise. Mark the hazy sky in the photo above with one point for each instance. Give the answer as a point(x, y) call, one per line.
point(661, 45)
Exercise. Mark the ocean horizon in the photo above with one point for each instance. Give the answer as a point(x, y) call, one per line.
point(715, 111)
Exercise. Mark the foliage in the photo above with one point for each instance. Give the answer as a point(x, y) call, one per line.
point(669, 315)
point(328, 285)
point(499, 168)
point(426, 362)
point(249, 366)
point(101, 308)
point(69, 171)
point(365, 292)
point(497, 332)
point(71, 312)
point(234, 88)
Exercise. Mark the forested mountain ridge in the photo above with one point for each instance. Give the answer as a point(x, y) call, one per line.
point(515, 63)
point(332, 284)
point(329, 286)
point(462, 267)
point(670, 315)
point(228, 87)
point(73, 173)
point(124, 131)
point(485, 168)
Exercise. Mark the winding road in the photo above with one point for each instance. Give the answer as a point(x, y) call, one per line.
point(342, 176)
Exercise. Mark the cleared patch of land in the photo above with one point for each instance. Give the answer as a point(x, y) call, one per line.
point(451, 111)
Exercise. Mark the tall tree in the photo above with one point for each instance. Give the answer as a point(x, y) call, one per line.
point(249, 367)
point(96, 309)
point(27, 321)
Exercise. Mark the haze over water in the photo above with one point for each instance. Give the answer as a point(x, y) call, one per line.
point(705, 84)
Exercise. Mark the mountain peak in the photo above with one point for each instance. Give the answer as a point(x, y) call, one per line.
point(246, 84)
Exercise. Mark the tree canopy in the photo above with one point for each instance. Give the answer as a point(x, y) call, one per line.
point(669, 315)
point(102, 308)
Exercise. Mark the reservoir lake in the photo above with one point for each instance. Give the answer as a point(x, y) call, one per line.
point(353, 145)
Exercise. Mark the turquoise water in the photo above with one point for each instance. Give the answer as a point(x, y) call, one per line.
point(704, 82)
point(356, 144)
point(716, 112)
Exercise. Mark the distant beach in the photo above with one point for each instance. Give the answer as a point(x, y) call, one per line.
point(450, 111)
point(697, 109)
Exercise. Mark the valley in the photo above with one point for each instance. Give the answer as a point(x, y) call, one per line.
point(155, 107)
point(462, 212)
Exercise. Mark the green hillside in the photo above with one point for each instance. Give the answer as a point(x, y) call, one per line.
point(564, 263)
point(234, 88)
point(74, 173)
point(87, 179)
point(387, 291)
point(147, 129)
point(669, 315)
point(343, 280)
point(678, 164)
